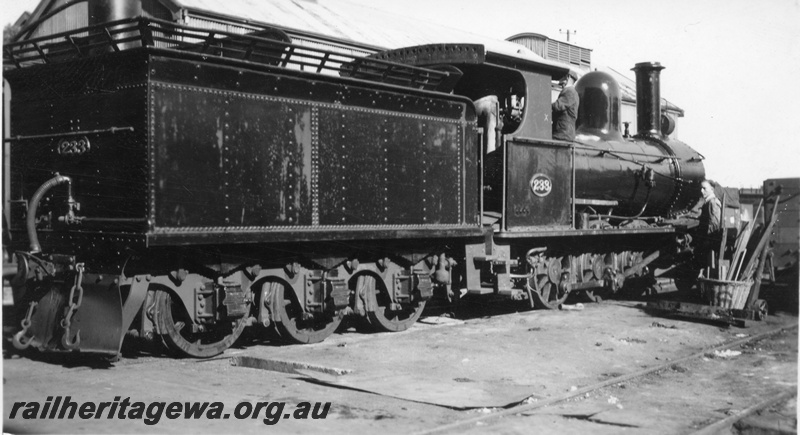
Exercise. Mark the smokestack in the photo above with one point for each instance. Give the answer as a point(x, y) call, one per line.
point(648, 98)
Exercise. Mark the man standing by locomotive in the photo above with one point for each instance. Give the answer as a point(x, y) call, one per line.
point(565, 108)
point(710, 224)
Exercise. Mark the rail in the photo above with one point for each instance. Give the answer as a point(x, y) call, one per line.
point(268, 47)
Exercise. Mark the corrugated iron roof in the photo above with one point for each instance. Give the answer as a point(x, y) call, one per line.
point(342, 20)
point(346, 20)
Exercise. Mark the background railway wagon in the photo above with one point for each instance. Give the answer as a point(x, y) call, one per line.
point(785, 241)
point(786, 235)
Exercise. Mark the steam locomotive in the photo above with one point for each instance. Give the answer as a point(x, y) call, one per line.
point(183, 184)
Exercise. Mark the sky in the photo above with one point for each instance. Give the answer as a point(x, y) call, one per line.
point(729, 63)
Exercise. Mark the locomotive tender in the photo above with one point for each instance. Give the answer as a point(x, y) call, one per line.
point(183, 184)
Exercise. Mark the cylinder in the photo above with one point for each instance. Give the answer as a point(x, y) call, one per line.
point(648, 98)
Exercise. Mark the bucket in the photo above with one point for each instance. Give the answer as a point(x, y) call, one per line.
point(726, 294)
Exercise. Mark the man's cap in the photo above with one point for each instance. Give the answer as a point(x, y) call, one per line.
point(573, 74)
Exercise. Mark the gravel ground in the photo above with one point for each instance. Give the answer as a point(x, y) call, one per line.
point(439, 372)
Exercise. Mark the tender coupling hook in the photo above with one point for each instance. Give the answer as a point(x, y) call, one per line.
point(21, 341)
point(71, 344)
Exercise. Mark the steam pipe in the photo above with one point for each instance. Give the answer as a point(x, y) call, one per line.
point(37, 197)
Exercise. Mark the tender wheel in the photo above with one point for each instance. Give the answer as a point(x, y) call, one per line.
point(293, 324)
point(381, 316)
point(176, 329)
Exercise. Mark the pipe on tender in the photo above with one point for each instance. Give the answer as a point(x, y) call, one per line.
point(34, 205)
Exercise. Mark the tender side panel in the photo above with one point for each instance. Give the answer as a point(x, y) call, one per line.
point(268, 167)
point(388, 169)
point(230, 159)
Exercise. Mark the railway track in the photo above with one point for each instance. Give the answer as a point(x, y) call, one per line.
point(728, 422)
point(524, 408)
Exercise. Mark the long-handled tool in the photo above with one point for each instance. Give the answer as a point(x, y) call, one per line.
point(720, 272)
point(740, 249)
point(761, 253)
